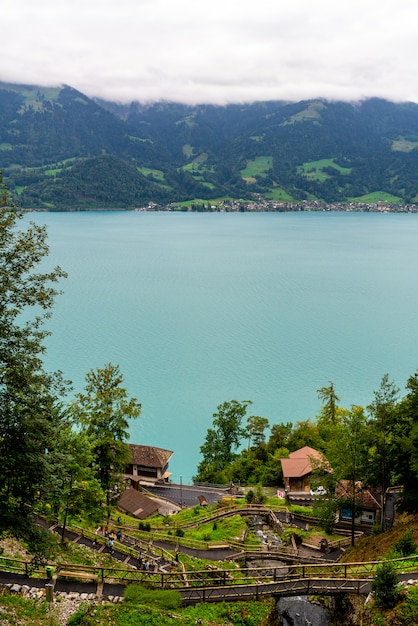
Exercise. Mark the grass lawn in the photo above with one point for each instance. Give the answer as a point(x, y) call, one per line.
point(403, 145)
point(164, 611)
point(15, 609)
point(313, 170)
point(279, 195)
point(257, 167)
point(378, 196)
point(147, 171)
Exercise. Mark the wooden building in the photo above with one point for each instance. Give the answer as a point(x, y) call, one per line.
point(298, 467)
point(149, 465)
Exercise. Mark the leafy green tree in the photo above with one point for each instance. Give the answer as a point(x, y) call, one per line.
point(221, 441)
point(75, 490)
point(255, 467)
point(103, 413)
point(305, 433)
point(279, 436)
point(326, 509)
point(30, 414)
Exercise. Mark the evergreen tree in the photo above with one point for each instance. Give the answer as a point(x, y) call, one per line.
point(347, 455)
point(383, 414)
point(404, 449)
point(330, 403)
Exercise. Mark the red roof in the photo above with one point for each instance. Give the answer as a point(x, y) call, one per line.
point(302, 462)
point(362, 497)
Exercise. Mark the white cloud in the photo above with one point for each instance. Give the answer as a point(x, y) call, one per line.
point(215, 51)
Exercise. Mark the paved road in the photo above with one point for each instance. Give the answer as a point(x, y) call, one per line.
point(185, 496)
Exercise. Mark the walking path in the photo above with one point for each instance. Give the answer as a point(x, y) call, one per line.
point(214, 585)
point(204, 586)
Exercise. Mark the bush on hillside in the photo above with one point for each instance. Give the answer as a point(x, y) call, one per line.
point(162, 598)
point(406, 544)
point(384, 585)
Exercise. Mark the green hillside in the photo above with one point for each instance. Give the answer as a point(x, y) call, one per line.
point(60, 149)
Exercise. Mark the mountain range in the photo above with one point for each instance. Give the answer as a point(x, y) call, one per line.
point(61, 150)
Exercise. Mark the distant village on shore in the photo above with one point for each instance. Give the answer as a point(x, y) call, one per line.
point(260, 205)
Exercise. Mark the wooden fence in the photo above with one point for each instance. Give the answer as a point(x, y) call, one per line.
point(209, 577)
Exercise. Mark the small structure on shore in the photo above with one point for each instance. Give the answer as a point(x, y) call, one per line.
point(149, 465)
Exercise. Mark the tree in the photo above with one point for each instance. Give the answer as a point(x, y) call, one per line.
point(404, 448)
point(30, 414)
point(382, 412)
point(103, 412)
point(347, 454)
point(305, 433)
point(221, 441)
point(75, 490)
point(256, 426)
point(385, 585)
point(325, 509)
point(279, 436)
point(330, 400)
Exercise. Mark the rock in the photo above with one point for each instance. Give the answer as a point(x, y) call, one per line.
point(72, 595)
point(298, 611)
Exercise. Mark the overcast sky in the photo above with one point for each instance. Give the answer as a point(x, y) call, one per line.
point(217, 51)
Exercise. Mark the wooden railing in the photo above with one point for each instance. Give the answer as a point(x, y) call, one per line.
point(163, 535)
point(213, 576)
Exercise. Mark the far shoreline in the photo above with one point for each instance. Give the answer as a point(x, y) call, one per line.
point(246, 207)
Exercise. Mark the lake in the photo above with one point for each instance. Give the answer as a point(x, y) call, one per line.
point(198, 309)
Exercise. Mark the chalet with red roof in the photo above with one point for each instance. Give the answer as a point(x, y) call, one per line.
point(298, 467)
point(367, 508)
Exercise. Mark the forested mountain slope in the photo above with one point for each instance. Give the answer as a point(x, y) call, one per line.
point(60, 149)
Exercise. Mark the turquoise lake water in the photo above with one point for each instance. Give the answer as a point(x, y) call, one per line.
point(198, 309)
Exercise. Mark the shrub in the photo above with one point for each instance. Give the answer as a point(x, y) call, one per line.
point(162, 598)
point(406, 544)
point(255, 496)
point(144, 526)
point(297, 534)
point(179, 532)
point(249, 496)
point(326, 510)
point(384, 585)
